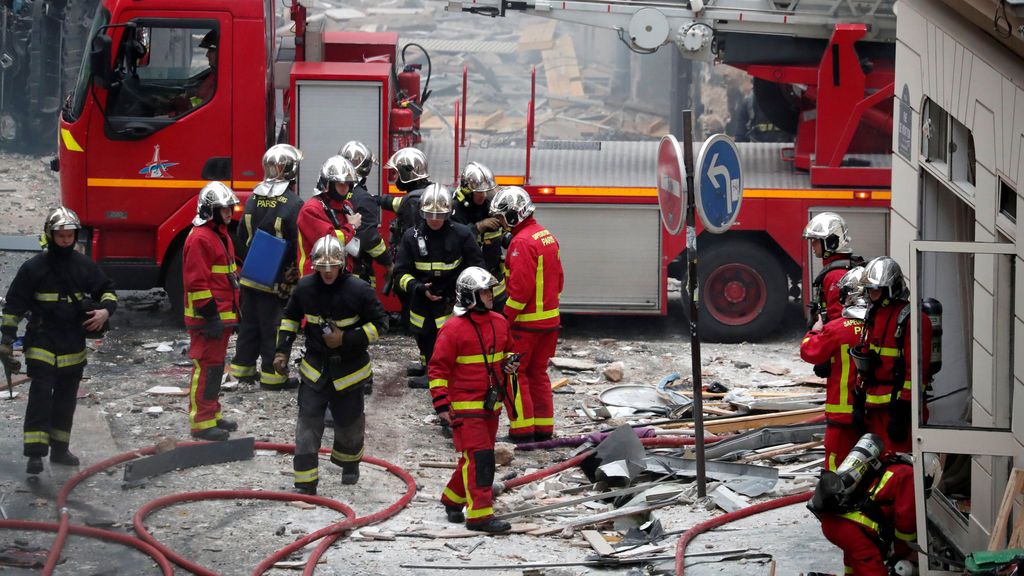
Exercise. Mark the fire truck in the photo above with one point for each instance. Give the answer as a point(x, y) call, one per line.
point(138, 138)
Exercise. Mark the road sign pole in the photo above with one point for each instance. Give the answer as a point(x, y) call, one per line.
point(691, 276)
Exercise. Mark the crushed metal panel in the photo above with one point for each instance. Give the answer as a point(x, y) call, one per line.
point(746, 479)
point(763, 437)
point(189, 457)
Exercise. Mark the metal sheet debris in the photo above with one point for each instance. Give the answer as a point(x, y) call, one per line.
point(749, 480)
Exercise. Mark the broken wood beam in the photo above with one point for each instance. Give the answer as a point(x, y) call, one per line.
point(750, 422)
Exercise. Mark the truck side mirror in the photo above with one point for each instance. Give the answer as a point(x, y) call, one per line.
point(99, 60)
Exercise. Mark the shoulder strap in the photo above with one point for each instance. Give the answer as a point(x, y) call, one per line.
point(844, 264)
point(330, 214)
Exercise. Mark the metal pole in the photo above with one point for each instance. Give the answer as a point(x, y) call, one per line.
point(691, 275)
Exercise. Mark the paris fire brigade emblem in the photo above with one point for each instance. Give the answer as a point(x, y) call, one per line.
point(157, 168)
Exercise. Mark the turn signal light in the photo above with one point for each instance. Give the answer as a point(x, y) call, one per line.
point(546, 191)
point(862, 195)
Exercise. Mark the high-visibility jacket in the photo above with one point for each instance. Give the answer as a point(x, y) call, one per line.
point(315, 223)
point(535, 277)
point(881, 326)
point(825, 287)
point(458, 370)
point(832, 344)
point(349, 304)
point(209, 271)
point(45, 289)
point(277, 216)
point(469, 213)
point(888, 511)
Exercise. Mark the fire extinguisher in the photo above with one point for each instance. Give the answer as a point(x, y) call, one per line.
point(402, 123)
point(409, 88)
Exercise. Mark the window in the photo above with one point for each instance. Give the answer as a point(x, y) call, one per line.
point(963, 166)
point(165, 71)
point(1007, 201)
point(76, 100)
point(933, 132)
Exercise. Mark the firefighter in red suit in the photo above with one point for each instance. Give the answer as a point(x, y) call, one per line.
point(534, 285)
point(211, 307)
point(329, 211)
point(831, 343)
point(468, 373)
point(830, 241)
point(884, 357)
point(873, 519)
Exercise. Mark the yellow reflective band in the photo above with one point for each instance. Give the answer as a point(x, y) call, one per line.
point(257, 286)
point(543, 421)
point(831, 466)
point(41, 355)
point(289, 325)
point(907, 384)
point(341, 237)
point(69, 141)
point(307, 370)
point(876, 399)
point(342, 457)
point(47, 296)
point(222, 269)
point(862, 520)
point(302, 257)
point(108, 296)
point(440, 321)
point(438, 383)
point(479, 358)
point(11, 320)
point(228, 315)
point(469, 405)
point(493, 235)
point(520, 422)
point(465, 480)
point(277, 227)
point(272, 378)
point(346, 322)
point(842, 407)
point(906, 536)
point(438, 266)
point(881, 483)
point(472, 513)
point(539, 282)
point(514, 304)
point(377, 250)
point(449, 494)
point(60, 435)
point(847, 570)
point(403, 282)
point(37, 438)
point(68, 360)
point(239, 371)
point(416, 320)
point(306, 476)
point(371, 332)
point(312, 319)
point(889, 352)
point(535, 316)
point(353, 378)
point(499, 289)
point(199, 295)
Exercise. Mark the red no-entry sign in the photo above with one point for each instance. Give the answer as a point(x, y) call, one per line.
point(671, 191)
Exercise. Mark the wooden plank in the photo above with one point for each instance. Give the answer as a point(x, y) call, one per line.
point(538, 36)
point(562, 70)
point(784, 450)
point(1013, 488)
point(598, 543)
point(751, 422)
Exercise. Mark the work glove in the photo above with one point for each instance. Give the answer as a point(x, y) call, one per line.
point(488, 225)
point(823, 370)
point(333, 338)
point(213, 328)
point(899, 421)
point(511, 364)
point(281, 363)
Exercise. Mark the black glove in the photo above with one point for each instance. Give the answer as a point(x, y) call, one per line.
point(213, 328)
point(899, 421)
point(823, 370)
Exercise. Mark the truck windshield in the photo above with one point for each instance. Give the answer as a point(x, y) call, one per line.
point(76, 100)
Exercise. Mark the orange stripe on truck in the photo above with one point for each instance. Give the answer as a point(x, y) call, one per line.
point(162, 183)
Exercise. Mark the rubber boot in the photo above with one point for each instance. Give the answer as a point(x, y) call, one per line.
point(415, 369)
point(64, 458)
point(491, 526)
point(350, 472)
point(307, 489)
point(229, 425)
point(214, 434)
point(35, 465)
point(454, 514)
point(418, 382)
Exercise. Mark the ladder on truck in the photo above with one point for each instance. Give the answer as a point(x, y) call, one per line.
point(840, 54)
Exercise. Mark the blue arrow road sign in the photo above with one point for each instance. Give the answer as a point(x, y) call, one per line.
point(719, 183)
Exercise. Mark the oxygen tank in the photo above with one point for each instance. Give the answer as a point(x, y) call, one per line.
point(834, 487)
point(933, 308)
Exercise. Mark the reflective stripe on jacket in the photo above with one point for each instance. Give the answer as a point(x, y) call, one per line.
point(832, 344)
point(458, 368)
point(535, 277)
point(209, 271)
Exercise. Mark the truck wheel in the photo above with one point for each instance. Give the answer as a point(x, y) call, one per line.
point(175, 287)
point(743, 292)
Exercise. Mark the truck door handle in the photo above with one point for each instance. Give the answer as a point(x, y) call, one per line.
point(138, 129)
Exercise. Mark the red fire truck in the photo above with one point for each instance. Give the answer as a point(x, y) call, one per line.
point(143, 131)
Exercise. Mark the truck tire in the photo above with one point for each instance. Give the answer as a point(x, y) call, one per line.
point(174, 286)
point(743, 292)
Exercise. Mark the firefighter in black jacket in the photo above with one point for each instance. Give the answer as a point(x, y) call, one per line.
point(372, 246)
point(273, 208)
point(429, 260)
point(66, 298)
point(343, 316)
point(412, 179)
point(472, 207)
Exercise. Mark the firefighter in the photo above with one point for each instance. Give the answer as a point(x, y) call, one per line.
point(342, 317)
point(66, 298)
point(211, 307)
point(430, 258)
point(412, 179)
point(472, 208)
point(329, 211)
point(883, 357)
point(831, 343)
point(468, 374)
point(534, 282)
point(273, 208)
point(866, 508)
point(830, 241)
point(373, 247)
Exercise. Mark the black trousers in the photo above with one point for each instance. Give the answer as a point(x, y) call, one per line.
point(257, 337)
point(349, 427)
point(50, 414)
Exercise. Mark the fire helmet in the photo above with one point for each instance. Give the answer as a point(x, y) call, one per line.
point(830, 228)
point(477, 178)
point(850, 287)
point(469, 282)
point(213, 196)
point(335, 169)
point(436, 201)
point(60, 219)
point(360, 156)
point(410, 163)
point(210, 40)
point(280, 168)
point(513, 204)
point(883, 273)
point(327, 252)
